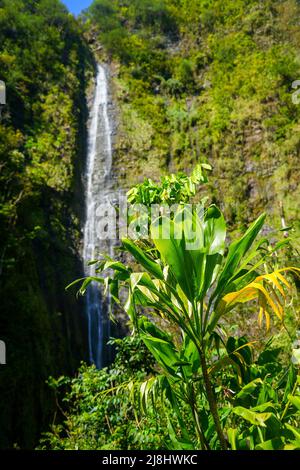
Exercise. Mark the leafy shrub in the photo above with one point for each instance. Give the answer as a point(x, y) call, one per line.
point(98, 412)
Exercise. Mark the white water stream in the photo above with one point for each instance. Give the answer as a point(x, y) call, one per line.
point(98, 185)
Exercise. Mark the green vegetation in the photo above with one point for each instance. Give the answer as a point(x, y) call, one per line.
point(209, 80)
point(196, 83)
point(45, 65)
point(210, 387)
point(122, 408)
point(98, 411)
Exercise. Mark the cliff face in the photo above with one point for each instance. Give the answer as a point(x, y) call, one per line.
point(45, 65)
point(209, 81)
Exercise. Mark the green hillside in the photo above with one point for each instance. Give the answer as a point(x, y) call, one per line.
point(44, 63)
point(208, 81)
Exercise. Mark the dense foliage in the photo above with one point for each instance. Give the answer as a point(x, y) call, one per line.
point(211, 388)
point(98, 412)
point(45, 64)
point(107, 409)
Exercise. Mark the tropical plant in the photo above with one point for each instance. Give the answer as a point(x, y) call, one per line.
point(184, 287)
point(173, 189)
point(264, 411)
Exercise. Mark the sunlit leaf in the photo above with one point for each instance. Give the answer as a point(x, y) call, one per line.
point(252, 417)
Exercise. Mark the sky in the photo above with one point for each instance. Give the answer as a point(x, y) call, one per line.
point(75, 6)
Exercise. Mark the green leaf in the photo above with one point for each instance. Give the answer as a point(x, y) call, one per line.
point(185, 264)
point(146, 389)
point(273, 444)
point(295, 431)
point(191, 354)
point(232, 437)
point(249, 389)
point(191, 247)
point(292, 378)
point(87, 281)
point(252, 417)
point(295, 401)
point(160, 345)
point(237, 251)
point(214, 242)
point(140, 256)
point(293, 445)
point(214, 231)
point(115, 265)
point(181, 363)
point(269, 406)
point(129, 308)
point(74, 283)
point(178, 443)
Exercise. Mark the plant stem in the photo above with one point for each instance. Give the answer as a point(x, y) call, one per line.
point(212, 402)
point(200, 434)
point(289, 334)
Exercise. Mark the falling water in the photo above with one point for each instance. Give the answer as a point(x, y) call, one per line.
point(98, 175)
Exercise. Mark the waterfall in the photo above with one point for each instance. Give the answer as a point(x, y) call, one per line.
point(98, 185)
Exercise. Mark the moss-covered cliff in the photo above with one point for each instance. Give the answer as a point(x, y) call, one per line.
point(208, 80)
point(45, 64)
